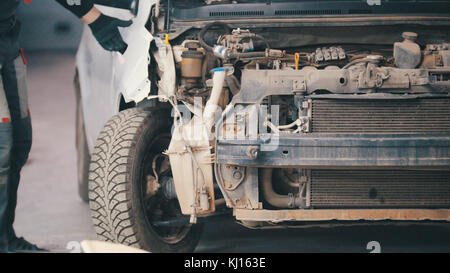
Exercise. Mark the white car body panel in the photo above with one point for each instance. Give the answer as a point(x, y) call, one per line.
point(107, 76)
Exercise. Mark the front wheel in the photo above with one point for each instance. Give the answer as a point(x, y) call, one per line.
point(127, 178)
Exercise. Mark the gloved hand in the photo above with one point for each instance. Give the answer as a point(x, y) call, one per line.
point(105, 30)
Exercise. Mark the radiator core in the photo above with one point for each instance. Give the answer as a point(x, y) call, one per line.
point(400, 116)
point(379, 188)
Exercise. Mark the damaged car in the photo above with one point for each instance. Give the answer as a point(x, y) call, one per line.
point(286, 113)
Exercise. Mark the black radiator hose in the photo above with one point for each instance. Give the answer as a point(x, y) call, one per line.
point(201, 34)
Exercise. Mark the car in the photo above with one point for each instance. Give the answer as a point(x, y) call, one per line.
point(284, 112)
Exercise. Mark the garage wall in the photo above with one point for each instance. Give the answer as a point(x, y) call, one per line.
point(48, 26)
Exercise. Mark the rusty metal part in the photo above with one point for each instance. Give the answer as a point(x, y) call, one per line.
point(275, 199)
point(152, 185)
point(252, 152)
point(357, 79)
point(431, 61)
point(159, 170)
point(239, 185)
point(343, 214)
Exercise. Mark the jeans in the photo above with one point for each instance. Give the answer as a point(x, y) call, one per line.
point(15, 141)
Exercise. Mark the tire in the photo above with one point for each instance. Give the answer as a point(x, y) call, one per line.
point(83, 157)
point(121, 208)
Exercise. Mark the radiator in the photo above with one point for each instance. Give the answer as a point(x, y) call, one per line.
point(379, 188)
point(401, 116)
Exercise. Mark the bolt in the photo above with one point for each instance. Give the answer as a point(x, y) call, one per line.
point(237, 175)
point(252, 152)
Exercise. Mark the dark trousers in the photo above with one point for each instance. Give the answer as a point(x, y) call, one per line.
point(15, 141)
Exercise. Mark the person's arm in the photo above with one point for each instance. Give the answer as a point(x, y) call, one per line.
point(104, 28)
point(79, 8)
point(91, 16)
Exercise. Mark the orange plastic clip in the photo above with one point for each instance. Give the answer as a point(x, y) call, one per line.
point(167, 39)
point(297, 60)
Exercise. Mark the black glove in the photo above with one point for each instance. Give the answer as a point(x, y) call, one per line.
point(105, 30)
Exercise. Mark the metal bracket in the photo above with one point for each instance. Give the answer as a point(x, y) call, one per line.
point(304, 189)
point(304, 113)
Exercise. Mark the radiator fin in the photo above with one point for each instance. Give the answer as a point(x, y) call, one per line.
point(381, 116)
point(376, 188)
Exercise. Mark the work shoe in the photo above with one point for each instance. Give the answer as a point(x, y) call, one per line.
point(20, 245)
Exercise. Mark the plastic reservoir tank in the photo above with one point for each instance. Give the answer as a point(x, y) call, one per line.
point(407, 54)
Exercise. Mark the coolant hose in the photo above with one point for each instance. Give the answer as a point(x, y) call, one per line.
point(273, 198)
point(214, 98)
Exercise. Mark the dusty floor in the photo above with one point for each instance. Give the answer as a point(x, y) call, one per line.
point(51, 214)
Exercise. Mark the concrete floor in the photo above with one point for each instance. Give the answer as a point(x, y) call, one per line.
point(50, 213)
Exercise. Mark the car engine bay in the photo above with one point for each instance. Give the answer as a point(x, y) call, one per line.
point(276, 122)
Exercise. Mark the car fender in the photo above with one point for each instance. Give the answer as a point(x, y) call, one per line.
point(106, 76)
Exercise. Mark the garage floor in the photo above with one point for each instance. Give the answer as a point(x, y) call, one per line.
point(51, 214)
